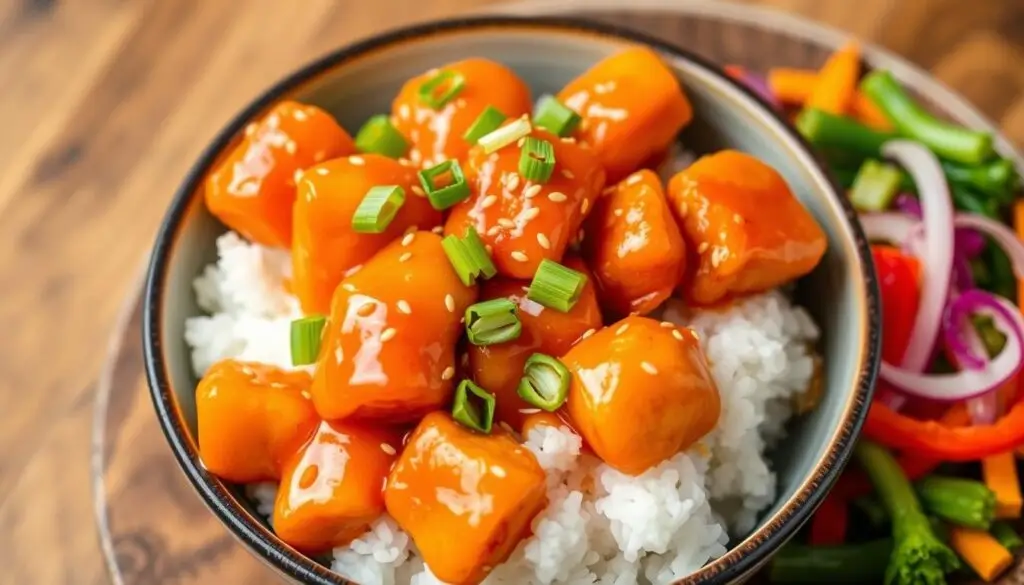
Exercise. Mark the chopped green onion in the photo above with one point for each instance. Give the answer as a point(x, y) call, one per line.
point(875, 186)
point(468, 257)
point(473, 407)
point(493, 321)
point(441, 88)
point(545, 382)
point(555, 116)
point(379, 136)
point(378, 207)
point(1006, 536)
point(505, 135)
point(556, 286)
point(305, 338)
point(443, 197)
point(488, 121)
point(537, 160)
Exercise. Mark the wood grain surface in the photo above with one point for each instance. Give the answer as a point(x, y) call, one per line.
point(104, 104)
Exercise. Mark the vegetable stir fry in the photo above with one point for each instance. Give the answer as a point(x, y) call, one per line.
point(469, 268)
point(937, 201)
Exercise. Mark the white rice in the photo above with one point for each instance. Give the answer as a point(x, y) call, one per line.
point(600, 527)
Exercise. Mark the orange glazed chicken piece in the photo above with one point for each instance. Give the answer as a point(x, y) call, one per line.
point(634, 246)
point(388, 348)
point(525, 222)
point(640, 393)
point(326, 245)
point(632, 108)
point(749, 232)
point(252, 419)
point(333, 488)
point(499, 367)
point(436, 121)
point(252, 190)
point(466, 499)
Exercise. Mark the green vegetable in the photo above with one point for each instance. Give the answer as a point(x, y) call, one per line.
point(918, 556)
point(997, 179)
point(305, 339)
point(958, 500)
point(378, 135)
point(993, 338)
point(844, 176)
point(441, 88)
point(555, 116)
point(980, 273)
point(378, 208)
point(473, 407)
point(964, 199)
point(443, 193)
point(545, 382)
point(505, 135)
point(1003, 282)
point(488, 121)
point(946, 140)
point(1006, 536)
point(536, 160)
point(848, 563)
point(875, 187)
point(825, 130)
point(493, 321)
point(556, 286)
point(468, 256)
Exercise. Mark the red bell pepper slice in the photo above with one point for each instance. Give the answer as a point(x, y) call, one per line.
point(899, 281)
point(828, 526)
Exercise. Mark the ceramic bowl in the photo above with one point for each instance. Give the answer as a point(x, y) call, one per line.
point(360, 80)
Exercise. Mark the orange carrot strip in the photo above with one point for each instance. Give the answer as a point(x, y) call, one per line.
point(1000, 474)
point(792, 86)
point(982, 552)
point(837, 81)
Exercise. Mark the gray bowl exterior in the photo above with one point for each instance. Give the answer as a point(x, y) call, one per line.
point(359, 81)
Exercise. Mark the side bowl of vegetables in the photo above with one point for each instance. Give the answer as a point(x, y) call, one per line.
point(358, 81)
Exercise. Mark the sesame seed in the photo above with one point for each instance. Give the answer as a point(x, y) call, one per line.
point(568, 174)
point(353, 270)
point(512, 181)
point(557, 197)
point(702, 247)
point(408, 239)
point(531, 191)
point(737, 219)
point(519, 256)
point(569, 140)
point(448, 373)
point(250, 129)
point(492, 231)
point(529, 410)
point(584, 206)
point(387, 334)
point(405, 256)
point(297, 176)
point(499, 472)
point(617, 213)
point(387, 449)
point(306, 395)
point(438, 229)
point(667, 324)
point(322, 172)
point(449, 303)
point(543, 241)
point(348, 287)
point(404, 307)
point(633, 179)
point(290, 146)
point(506, 223)
point(694, 335)
point(677, 334)
point(319, 156)
point(366, 309)
point(489, 248)
point(622, 329)
point(488, 201)
point(531, 213)
point(417, 190)
point(649, 368)
point(588, 333)
point(357, 160)
point(521, 142)
point(299, 115)
point(505, 426)
point(405, 162)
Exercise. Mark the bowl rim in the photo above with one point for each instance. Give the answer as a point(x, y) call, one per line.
point(740, 559)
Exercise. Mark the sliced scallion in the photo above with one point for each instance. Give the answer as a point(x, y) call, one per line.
point(875, 186)
point(379, 206)
point(379, 136)
point(305, 339)
point(441, 88)
point(473, 407)
point(488, 121)
point(537, 160)
point(556, 286)
point(493, 321)
point(507, 134)
point(455, 188)
point(468, 257)
point(555, 116)
point(545, 382)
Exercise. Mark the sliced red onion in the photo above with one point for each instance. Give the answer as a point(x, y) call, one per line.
point(890, 226)
point(962, 341)
point(908, 204)
point(984, 409)
point(963, 278)
point(968, 242)
point(968, 383)
point(1003, 236)
point(937, 253)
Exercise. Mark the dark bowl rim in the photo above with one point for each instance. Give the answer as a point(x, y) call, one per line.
point(258, 538)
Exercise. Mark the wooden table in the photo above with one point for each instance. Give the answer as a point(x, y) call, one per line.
point(103, 106)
